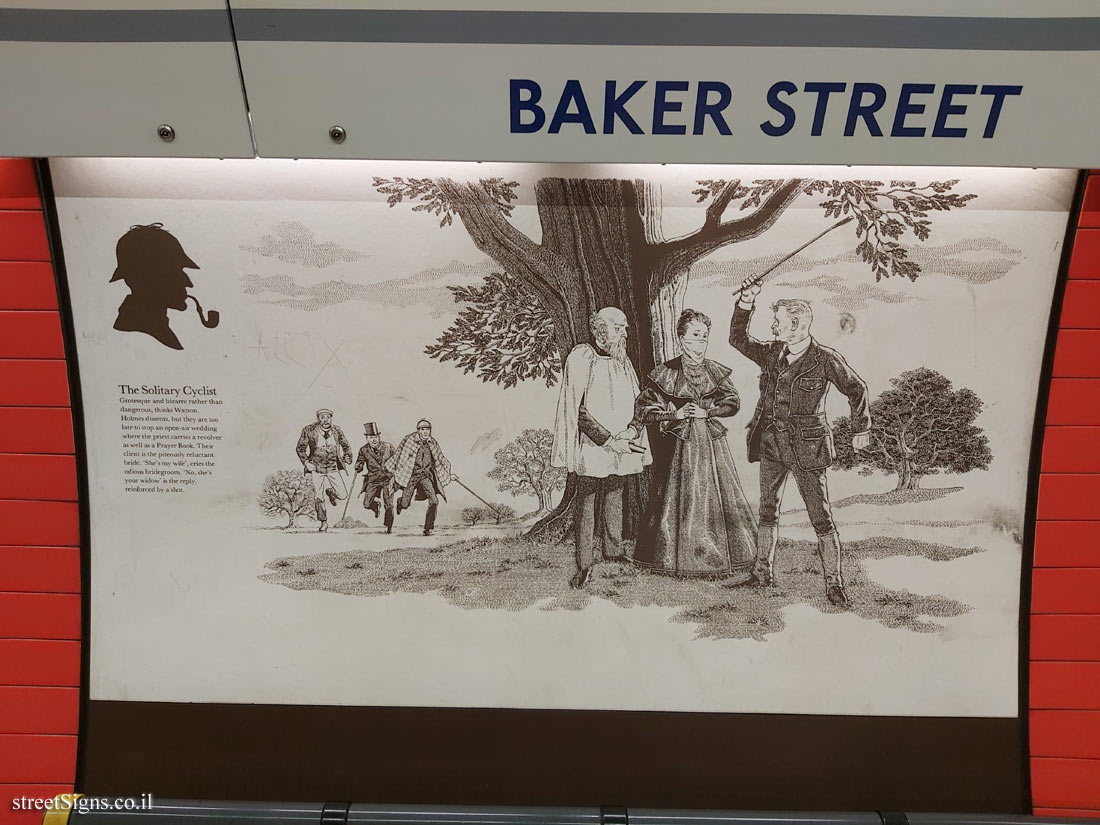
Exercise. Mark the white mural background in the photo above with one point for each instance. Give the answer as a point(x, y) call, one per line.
point(328, 299)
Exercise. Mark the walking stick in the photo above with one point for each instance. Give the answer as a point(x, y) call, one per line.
point(350, 490)
point(475, 495)
point(758, 278)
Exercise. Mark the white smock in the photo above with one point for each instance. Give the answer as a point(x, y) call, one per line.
point(607, 387)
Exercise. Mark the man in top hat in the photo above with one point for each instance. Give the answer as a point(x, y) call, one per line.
point(377, 480)
point(419, 467)
point(151, 262)
point(324, 452)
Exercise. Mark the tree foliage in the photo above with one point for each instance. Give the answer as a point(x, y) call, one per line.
point(883, 213)
point(288, 493)
point(920, 426)
point(429, 196)
point(523, 467)
point(506, 332)
point(503, 334)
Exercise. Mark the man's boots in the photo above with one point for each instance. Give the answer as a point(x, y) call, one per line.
point(322, 515)
point(429, 519)
point(828, 548)
point(763, 566)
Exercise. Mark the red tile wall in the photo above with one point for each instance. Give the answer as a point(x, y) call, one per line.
point(1065, 587)
point(39, 517)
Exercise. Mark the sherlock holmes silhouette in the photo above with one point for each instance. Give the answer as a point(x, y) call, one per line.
point(152, 262)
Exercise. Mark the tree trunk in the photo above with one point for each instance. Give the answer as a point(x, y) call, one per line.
point(907, 479)
point(602, 246)
point(544, 500)
point(291, 514)
point(596, 230)
point(668, 280)
point(666, 310)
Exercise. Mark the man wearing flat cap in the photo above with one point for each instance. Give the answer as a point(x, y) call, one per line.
point(420, 468)
point(152, 262)
point(377, 480)
point(324, 453)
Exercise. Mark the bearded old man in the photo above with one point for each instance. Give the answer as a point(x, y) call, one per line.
point(421, 469)
point(593, 437)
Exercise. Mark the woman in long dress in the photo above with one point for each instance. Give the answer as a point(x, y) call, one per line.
point(698, 521)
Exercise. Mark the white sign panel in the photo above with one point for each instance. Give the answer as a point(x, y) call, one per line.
point(355, 436)
point(844, 84)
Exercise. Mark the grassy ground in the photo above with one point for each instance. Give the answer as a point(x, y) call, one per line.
point(510, 573)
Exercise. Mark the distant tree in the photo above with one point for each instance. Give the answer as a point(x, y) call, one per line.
point(920, 426)
point(472, 515)
point(504, 334)
point(501, 513)
point(523, 467)
point(289, 493)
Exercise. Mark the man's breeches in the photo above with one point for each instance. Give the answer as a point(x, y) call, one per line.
point(777, 460)
point(383, 490)
point(608, 493)
point(322, 481)
point(426, 486)
point(378, 489)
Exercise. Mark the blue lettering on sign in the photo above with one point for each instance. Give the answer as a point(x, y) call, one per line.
point(999, 93)
point(530, 103)
point(662, 106)
point(948, 107)
point(907, 107)
point(822, 90)
point(572, 95)
point(614, 106)
point(704, 109)
point(858, 109)
point(789, 116)
point(666, 107)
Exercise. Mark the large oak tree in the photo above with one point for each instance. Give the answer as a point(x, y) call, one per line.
point(602, 245)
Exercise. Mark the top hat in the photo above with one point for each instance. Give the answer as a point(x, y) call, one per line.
point(148, 246)
point(371, 428)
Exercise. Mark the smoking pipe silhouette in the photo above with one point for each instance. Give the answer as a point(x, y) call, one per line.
point(209, 320)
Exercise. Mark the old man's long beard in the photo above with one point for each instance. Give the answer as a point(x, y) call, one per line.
point(615, 348)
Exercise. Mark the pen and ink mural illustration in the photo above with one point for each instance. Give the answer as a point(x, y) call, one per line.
point(757, 422)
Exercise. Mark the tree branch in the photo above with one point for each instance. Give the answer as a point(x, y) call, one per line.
point(718, 206)
point(712, 235)
point(535, 266)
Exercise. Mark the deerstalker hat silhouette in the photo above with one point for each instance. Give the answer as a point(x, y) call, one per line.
point(146, 246)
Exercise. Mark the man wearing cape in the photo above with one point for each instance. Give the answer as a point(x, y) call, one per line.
point(419, 467)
